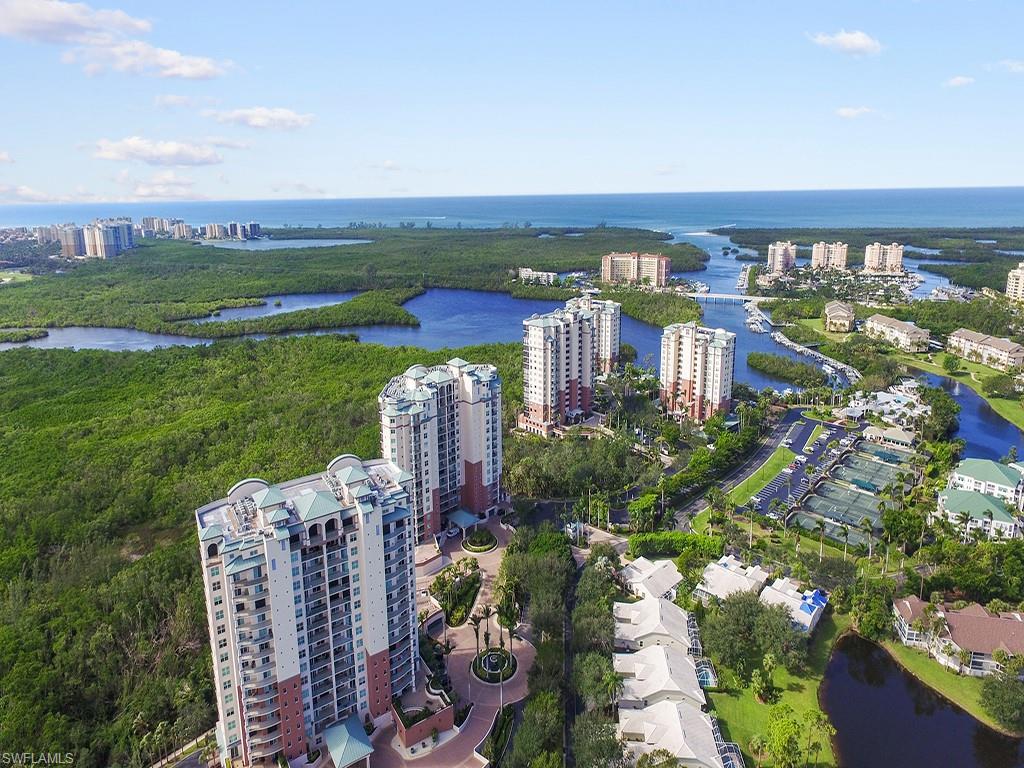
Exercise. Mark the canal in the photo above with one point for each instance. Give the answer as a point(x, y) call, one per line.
point(884, 717)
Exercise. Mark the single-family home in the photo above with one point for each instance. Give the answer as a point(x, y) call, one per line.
point(651, 621)
point(806, 607)
point(691, 736)
point(658, 673)
point(727, 576)
point(647, 578)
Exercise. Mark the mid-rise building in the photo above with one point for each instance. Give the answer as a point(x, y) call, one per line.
point(1015, 283)
point(607, 320)
point(781, 257)
point(528, 275)
point(829, 256)
point(559, 364)
point(310, 594)
point(883, 259)
point(839, 317)
point(993, 351)
point(904, 335)
point(970, 511)
point(697, 369)
point(640, 268)
point(72, 242)
point(1001, 481)
point(443, 425)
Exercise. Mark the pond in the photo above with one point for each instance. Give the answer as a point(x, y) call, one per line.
point(264, 244)
point(987, 434)
point(885, 717)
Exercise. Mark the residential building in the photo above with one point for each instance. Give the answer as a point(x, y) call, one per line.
point(607, 322)
point(658, 673)
point(182, 231)
point(691, 736)
point(839, 317)
point(254, 229)
point(993, 351)
point(641, 268)
point(894, 437)
point(946, 632)
point(1015, 283)
point(72, 242)
point(528, 275)
point(1003, 481)
point(726, 577)
point(646, 578)
point(310, 593)
point(443, 425)
point(805, 607)
point(48, 234)
point(899, 406)
point(829, 256)
point(559, 364)
point(883, 259)
point(652, 621)
point(697, 369)
point(781, 257)
point(978, 512)
point(904, 335)
point(215, 232)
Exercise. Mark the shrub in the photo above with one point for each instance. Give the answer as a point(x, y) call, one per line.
point(673, 543)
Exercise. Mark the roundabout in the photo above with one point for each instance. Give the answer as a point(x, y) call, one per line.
point(494, 665)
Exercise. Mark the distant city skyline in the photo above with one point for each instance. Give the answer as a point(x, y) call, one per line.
point(129, 103)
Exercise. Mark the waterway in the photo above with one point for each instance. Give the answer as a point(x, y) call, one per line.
point(885, 717)
point(987, 434)
point(276, 305)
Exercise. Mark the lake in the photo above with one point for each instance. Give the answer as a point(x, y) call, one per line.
point(265, 244)
point(288, 303)
point(988, 435)
point(885, 717)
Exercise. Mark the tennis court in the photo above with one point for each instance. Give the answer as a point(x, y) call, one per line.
point(830, 509)
point(866, 473)
point(833, 530)
point(888, 455)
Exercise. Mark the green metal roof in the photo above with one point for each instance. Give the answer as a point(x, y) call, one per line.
point(213, 532)
point(268, 497)
point(350, 474)
point(977, 505)
point(240, 564)
point(311, 506)
point(347, 742)
point(277, 516)
point(462, 518)
point(988, 471)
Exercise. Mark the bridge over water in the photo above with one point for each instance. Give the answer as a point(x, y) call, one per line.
point(730, 298)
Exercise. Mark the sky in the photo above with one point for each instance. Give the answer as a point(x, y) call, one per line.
point(137, 101)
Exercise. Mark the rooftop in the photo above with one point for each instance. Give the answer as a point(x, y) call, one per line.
point(658, 669)
point(988, 471)
point(972, 628)
point(650, 616)
point(729, 575)
point(898, 325)
point(995, 342)
point(654, 578)
point(682, 729)
point(804, 606)
point(977, 505)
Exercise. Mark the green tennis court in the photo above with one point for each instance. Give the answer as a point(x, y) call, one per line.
point(888, 455)
point(868, 472)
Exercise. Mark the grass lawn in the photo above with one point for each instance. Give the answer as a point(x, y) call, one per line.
point(14, 277)
point(960, 689)
point(742, 716)
point(761, 476)
point(1010, 410)
point(817, 324)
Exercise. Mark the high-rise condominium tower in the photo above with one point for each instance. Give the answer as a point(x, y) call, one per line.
point(607, 320)
point(443, 425)
point(311, 604)
point(1015, 283)
point(647, 268)
point(829, 256)
point(697, 367)
point(883, 259)
point(559, 363)
point(781, 257)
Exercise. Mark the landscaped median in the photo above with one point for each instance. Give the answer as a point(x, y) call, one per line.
point(761, 476)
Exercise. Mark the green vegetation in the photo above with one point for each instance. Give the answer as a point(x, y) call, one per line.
point(817, 432)
point(786, 368)
point(480, 540)
point(8, 278)
point(22, 335)
point(659, 309)
point(761, 476)
point(509, 665)
point(817, 325)
point(103, 634)
point(675, 543)
point(494, 746)
point(742, 630)
point(455, 587)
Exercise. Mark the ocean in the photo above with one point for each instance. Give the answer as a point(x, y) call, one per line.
point(677, 213)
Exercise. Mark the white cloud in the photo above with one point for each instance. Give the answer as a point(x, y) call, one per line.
point(24, 194)
point(1013, 65)
point(5, 157)
point(224, 143)
point(849, 113)
point(157, 152)
point(959, 81)
point(262, 117)
point(856, 43)
point(300, 187)
point(99, 39)
point(165, 185)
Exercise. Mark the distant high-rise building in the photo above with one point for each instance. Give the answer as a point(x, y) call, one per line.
point(215, 232)
point(234, 230)
point(310, 593)
point(72, 242)
point(607, 321)
point(1015, 283)
point(829, 256)
point(883, 259)
point(443, 425)
point(642, 268)
point(181, 231)
point(48, 234)
point(254, 229)
point(781, 257)
point(697, 369)
point(106, 238)
point(558, 369)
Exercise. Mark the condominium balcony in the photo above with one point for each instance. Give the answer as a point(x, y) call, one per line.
point(269, 742)
point(262, 708)
point(266, 693)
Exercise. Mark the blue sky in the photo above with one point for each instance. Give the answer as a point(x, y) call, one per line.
point(231, 100)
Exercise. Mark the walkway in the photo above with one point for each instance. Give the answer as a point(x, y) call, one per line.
point(460, 752)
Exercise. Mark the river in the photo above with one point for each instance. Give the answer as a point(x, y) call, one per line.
point(884, 717)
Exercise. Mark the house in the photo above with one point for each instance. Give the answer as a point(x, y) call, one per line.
point(691, 736)
point(993, 351)
point(905, 336)
point(891, 436)
point(839, 317)
point(651, 621)
point(965, 639)
point(806, 607)
point(983, 512)
point(727, 576)
point(1004, 481)
point(645, 578)
point(658, 673)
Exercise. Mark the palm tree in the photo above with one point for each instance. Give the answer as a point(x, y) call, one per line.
point(964, 520)
point(846, 540)
point(485, 614)
point(868, 527)
point(611, 688)
point(475, 620)
point(821, 540)
point(758, 747)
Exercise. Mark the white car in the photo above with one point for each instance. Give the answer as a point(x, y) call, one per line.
point(451, 533)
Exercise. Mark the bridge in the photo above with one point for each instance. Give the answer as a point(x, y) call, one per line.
point(729, 298)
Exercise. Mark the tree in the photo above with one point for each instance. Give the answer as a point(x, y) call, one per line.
point(817, 724)
point(1002, 696)
point(783, 736)
point(641, 512)
point(744, 629)
point(547, 760)
point(540, 731)
point(595, 743)
point(657, 758)
point(758, 747)
point(821, 538)
point(952, 364)
point(591, 673)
